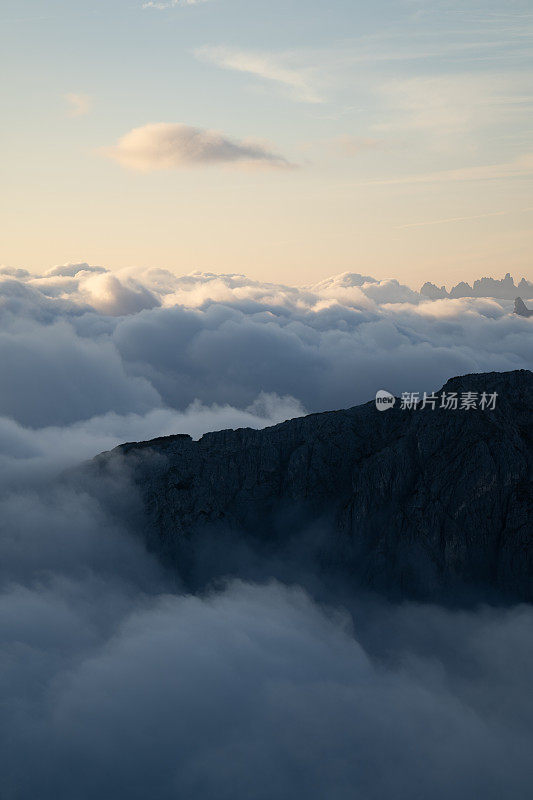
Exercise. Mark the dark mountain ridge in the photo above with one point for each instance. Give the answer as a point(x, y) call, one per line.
point(424, 503)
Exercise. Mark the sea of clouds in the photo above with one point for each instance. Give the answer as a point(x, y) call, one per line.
point(136, 355)
point(117, 684)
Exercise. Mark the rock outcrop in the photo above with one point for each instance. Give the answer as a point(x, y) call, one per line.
point(521, 309)
point(423, 503)
point(434, 292)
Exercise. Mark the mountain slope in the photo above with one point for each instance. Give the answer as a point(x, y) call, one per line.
point(521, 309)
point(434, 504)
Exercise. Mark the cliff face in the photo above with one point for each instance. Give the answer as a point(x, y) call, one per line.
point(431, 504)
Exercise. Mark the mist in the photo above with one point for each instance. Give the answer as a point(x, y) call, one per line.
point(118, 682)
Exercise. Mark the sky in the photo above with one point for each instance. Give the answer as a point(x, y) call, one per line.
point(286, 141)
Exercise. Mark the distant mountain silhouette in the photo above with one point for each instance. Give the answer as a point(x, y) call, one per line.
point(504, 289)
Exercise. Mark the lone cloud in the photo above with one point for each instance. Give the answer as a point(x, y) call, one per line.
point(78, 104)
point(174, 145)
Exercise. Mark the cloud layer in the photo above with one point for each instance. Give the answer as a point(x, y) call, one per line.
point(118, 684)
point(173, 146)
point(80, 342)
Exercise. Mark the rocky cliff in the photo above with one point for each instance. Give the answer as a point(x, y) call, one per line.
point(424, 503)
point(521, 309)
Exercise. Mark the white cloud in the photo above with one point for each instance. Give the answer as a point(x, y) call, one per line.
point(91, 343)
point(109, 295)
point(268, 66)
point(53, 375)
point(78, 104)
point(171, 146)
point(34, 452)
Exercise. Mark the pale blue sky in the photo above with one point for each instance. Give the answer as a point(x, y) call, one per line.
point(408, 123)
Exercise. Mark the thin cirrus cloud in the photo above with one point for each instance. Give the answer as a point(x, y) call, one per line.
point(348, 146)
point(162, 6)
point(267, 66)
point(521, 167)
point(78, 104)
point(448, 220)
point(165, 145)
